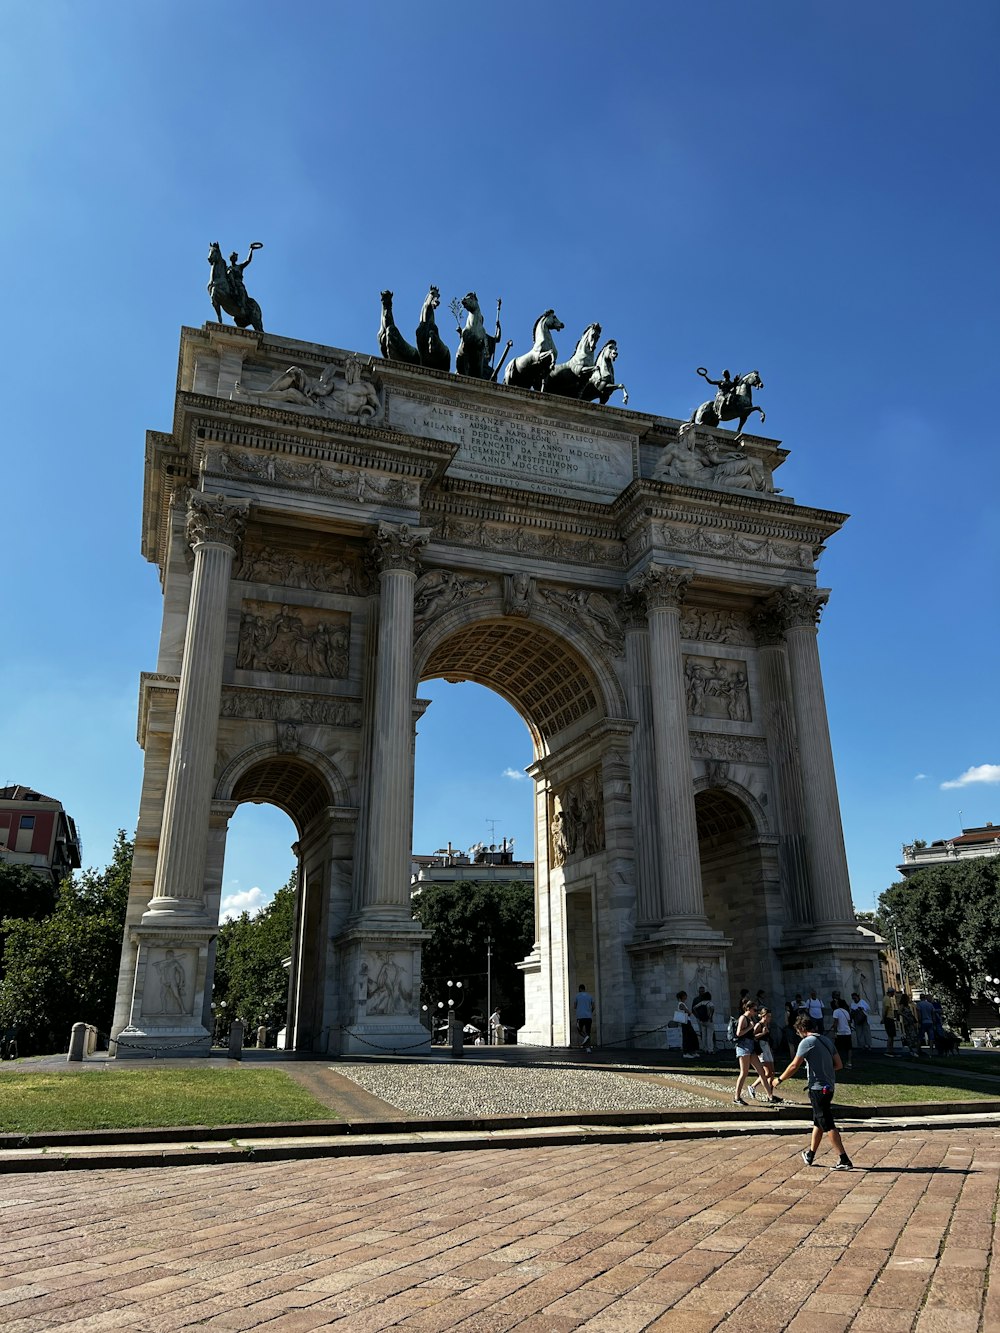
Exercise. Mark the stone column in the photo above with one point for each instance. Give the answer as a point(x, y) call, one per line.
point(215, 529)
point(826, 856)
point(387, 886)
point(680, 895)
point(776, 692)
point(644, 804)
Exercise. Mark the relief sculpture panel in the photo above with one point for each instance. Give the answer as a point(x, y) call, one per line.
point(293, 641)
point(717, 688)
point(577, 819)
point(268, 564)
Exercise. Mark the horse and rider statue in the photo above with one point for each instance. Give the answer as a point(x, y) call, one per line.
point(226, 289)
point(733, 399)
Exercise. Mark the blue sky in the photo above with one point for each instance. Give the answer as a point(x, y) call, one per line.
point(810, 190)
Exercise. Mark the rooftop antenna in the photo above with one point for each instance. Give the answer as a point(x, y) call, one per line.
point(493, 829)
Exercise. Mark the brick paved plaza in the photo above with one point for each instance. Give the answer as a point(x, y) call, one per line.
point(687, 1236)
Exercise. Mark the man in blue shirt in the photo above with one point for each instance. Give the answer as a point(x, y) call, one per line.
point(819, 1055)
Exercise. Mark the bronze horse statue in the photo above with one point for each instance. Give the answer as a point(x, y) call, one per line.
point(226, 290)
point(530, 371)
point(392, 344)
point(602, 378)
point(572, 377)
point(734, 399)
point(430, 348)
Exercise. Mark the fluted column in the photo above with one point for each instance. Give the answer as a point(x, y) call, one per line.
point(826, 855)
point(644, 805)
point(215, 529)
point(776, 692)
point(387, 887)
point(680, 892)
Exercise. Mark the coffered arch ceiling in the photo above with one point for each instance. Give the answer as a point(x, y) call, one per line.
point(282, 780)
point(549, 684)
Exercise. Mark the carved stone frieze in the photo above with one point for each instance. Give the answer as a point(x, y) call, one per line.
point(438, 591)
point(732, 749)
point(265, 705)
point(397, 546)
point(703, 460)
point(213, 518)
point(513, 537)
point(577, 819)
point(711, 625)
point(662, 586)
point(798, 606)
point(342, 393)
point(717, 688)
point(268, 564)
point(346, 483)
point(293, 641)
point(735, 546)
point(593, 612)
point(385, 982)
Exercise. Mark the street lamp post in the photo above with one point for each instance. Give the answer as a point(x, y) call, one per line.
point(489, 988)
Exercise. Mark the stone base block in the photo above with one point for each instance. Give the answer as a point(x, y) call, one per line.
point(177, 1042)
point(397, 1036)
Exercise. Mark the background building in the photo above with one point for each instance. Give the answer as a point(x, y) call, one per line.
point(984, 841)
point(36, 831)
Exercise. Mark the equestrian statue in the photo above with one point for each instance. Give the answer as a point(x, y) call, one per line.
point(392, 344)
point(227, 292)
point(733, 399)
point(530, 371)
point(573, 377)
point(430, 348)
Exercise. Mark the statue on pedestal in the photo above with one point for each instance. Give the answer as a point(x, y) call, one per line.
point(733, 399)
point(226, 289)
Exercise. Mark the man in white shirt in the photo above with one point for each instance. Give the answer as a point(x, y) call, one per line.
point(814, 1006)
point(860, 1016)
point(584, 1008)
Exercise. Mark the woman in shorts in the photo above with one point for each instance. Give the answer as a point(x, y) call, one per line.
point(745, 1052)
point(765, 1053)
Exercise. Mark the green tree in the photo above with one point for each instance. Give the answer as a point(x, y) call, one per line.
point(63, 969)
point(461, 917)
point(24, 895)
point(948, 918)
point(249, 976)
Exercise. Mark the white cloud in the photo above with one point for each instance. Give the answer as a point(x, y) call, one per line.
point(515, 774)
point(248, 900)
point(920, 777)
point(980, 773)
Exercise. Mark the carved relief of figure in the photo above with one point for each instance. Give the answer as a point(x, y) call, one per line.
point(173, 984)
point(859, 981)
point(593, 612)
point(560, 845)
point(440, 589)
point(351, 395)
point(362, 989)
point(688, 458)
point(286, 645)
point(390, 992)
point(719, 690)
point(518, 594)
point(254, 635)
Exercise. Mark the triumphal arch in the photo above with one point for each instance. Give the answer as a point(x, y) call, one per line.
point(331, 530)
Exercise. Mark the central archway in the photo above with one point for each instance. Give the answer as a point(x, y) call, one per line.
point(566, 693)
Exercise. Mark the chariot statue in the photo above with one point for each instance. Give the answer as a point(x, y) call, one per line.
point(227, 291)
point(530, 371)
point(477, 348)
point(734, 398)
point(572, 377)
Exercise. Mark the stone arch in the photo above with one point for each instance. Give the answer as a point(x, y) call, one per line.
point(554, 676)
point(740, 882)
point(302, 782)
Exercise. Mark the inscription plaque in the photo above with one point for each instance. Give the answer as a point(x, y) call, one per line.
point(521, 451)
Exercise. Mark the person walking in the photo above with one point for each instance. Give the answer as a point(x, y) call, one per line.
point(765, 1030)
point(584, 1008)
point(889, 1018)
point(744, 1040)
point(925, 1015)
point(860, 1012)
point(819, 1055)
point(814, 1007)
point(684, 1017)
point(704, 1011)
point(841, 1029)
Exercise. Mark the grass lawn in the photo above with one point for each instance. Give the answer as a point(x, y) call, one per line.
point(131, 1098)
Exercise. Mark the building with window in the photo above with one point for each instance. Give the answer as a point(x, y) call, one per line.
point(36, 831)
point(971, 842)
point(451, 866)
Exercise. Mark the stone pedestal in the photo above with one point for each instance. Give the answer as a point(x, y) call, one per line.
point(662, 968)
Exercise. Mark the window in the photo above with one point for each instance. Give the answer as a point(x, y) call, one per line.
point(27, 821)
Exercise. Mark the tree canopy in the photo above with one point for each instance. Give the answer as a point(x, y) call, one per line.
point(461, 918)
point(948, 918)
point(63, 968)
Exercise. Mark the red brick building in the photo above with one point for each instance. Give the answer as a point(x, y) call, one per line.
point(35, 831)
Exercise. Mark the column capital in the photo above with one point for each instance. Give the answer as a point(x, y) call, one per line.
point(214, 519)
point(663, 587)
point(798, 607)
point(398, 546)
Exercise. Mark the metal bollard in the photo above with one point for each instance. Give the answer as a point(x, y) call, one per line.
point(456, 1037)
point(236, 1040)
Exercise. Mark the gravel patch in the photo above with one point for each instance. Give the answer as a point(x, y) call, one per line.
point(449, 1090)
